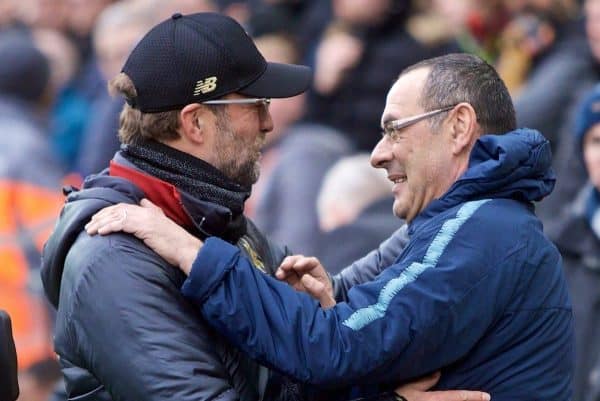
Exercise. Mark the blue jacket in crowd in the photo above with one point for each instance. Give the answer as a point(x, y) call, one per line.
point(478, 292)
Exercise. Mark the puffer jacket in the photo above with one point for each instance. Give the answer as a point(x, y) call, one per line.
point(123, 330)
point(478, 292)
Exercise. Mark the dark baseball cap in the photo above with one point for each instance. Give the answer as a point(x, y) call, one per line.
point(198, 57)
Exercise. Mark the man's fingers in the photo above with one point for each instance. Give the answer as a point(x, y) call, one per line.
point(285, 269)
point(289, 261)
point(453, 395)
point(114, 218)
point(101, 218)
point(305, 265)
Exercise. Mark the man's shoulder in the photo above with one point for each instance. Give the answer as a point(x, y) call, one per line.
point(483, 229)
point(104, 264)
point(494, 216)
point(506, 224)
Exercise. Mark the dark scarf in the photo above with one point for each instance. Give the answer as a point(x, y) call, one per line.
point(194, 177)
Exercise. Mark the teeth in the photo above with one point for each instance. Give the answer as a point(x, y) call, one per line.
point(399, 180)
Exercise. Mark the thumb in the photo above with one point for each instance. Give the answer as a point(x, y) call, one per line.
point(317, 290)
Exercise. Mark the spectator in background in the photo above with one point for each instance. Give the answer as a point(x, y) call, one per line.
point(73, 106)
point(7, 14)
point(546, 62)
point(294, 161)
point(30, 197)
point(62, 56)
point(354, 208)
point(578, 239)
point(355, 61)
point(116, 32)
point(570, 90)
point(43, 14)
point(475, 25)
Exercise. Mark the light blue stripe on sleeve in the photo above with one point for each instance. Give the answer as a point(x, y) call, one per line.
point(364, 316)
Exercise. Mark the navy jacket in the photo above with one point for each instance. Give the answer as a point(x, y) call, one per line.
point(478, 292)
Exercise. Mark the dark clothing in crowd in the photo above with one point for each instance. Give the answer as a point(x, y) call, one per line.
point(558, 79)
point(578, 239)
point(369, 266)
point(100, 140)
point(348, 243)
point(355, 106)
point(72, 111)
point(286, 207)
point(568, 161)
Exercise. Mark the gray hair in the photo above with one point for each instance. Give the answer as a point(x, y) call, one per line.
point(456, 78)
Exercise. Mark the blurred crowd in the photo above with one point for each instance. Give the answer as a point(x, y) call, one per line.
point(317, 193)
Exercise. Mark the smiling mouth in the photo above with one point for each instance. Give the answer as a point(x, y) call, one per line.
point(397, 179)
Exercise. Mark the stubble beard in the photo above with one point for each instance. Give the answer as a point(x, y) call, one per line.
point(239, 161)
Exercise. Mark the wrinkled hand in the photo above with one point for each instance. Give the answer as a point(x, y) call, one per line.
point(307, 274)
point(148, 223)
point(417, 391)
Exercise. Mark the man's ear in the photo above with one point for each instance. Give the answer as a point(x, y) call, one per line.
point(193, 118)
point(465, 129)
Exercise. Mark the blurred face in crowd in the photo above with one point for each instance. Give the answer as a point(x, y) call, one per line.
point(113, 47)
point(418, 161)
point(361, 12)
point(82, 14)
point(284, 111)
point(592, 26)
point(591, 154)
point(50, 14)
point(61, 54)
point(239, 137)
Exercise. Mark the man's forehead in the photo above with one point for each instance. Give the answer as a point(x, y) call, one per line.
point(408, 84)
point(403, 97)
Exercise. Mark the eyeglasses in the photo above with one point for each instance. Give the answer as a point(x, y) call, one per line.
point(252, 101)
point(391, 129)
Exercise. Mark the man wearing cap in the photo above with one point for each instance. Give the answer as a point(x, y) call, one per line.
point(197, 93)
point(477, 292)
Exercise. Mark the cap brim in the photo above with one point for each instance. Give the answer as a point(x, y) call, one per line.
point(280, 80)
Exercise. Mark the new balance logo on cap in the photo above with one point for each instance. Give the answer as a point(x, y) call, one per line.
point(204, 86)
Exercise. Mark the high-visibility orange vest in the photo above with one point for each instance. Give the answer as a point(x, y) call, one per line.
point(27, 216)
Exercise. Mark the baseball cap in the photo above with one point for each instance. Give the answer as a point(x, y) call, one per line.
point(198, 57)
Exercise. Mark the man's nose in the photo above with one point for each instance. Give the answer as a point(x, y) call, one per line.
point(382, 153)
point(266, 121)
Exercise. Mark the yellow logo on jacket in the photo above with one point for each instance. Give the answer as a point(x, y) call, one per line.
point(254, 258)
